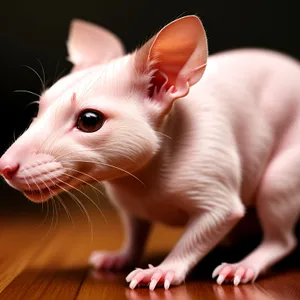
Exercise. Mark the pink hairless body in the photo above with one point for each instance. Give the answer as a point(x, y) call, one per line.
point(230, 141)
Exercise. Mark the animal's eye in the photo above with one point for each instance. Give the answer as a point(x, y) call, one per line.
point(90, 121)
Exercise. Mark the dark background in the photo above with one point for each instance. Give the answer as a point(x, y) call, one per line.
point(37, 30)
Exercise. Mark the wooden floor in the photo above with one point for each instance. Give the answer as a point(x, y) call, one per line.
point(42, 263)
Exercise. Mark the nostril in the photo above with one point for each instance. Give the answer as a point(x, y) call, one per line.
point(9, 171)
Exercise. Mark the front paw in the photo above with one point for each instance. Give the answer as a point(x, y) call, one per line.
point(153, 276)
point(235, 273)
point(102, 260)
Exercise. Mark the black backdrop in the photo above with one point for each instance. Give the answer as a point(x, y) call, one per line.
point(35, 29)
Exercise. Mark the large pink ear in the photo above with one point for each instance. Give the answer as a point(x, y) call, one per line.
point(176, 57)
point(89, 44)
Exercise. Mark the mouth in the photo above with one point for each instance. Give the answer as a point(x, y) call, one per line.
point(44, 194)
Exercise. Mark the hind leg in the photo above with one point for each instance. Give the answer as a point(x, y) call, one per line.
point(137, 232)
point(278, 203)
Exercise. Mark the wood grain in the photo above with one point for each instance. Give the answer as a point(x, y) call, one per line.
point(38, 263)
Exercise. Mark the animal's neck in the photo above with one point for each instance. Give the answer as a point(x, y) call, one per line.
point(170, 133)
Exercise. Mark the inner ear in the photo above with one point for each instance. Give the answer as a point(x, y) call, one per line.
point(176, 57)
point(158, 82)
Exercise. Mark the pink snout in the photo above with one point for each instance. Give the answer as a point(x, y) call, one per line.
point(8, 169)
point(38, 176)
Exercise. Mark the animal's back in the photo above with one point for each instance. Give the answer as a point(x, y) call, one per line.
point(258, 93)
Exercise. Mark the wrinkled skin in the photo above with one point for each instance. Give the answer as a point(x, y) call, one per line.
point(186, 140)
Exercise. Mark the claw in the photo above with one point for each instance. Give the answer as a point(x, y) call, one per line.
point(220, 279)
point(151, 277)
point(153, 284)
point(169, 279)
point(216, 271)
point(131, 275)
point(167, 284)
point(236, 280)
point(234, 273)
point(133, 284)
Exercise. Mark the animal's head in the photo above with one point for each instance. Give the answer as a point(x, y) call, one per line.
point(101, 121)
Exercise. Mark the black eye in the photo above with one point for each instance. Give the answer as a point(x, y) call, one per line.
point(90, 121)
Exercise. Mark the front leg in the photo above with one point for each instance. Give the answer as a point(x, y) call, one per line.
point(136, 234)
point(205, 229)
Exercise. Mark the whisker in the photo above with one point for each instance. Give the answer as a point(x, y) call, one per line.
point(59, 199)
point(52, 219)
point(81, 206)
point(52, 195)
point(127, 172)
point(28, 92)
point(74, 198)
point(94, 189)
point(56, 78)
point(34, 182)
point(85, 150)
point(87, 184)
point(47, 212)
point(87, 195)
point(36, 73)
point(44, 76)
point(14, 135)
point(164, 135)
point(73, 187)
point(40, 191)
point(51, 224)
point(110, 166)
point(65, 208)
point(33, 102)
point(27, 183)
point(44, 220)
point(71, 169)
point(56, 213)
point(56, 67)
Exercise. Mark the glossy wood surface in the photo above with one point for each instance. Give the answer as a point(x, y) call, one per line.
point(48, 260)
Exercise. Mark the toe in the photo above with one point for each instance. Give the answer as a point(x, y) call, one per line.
point(220, 279)
point(132, 274)
point(236, 280)
point(239, 273)
point(155, 279)
point(169, 279)
point(217, 270)
point(152, 284)
point(223, 274)
point(133, 284)
point(136, 279)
